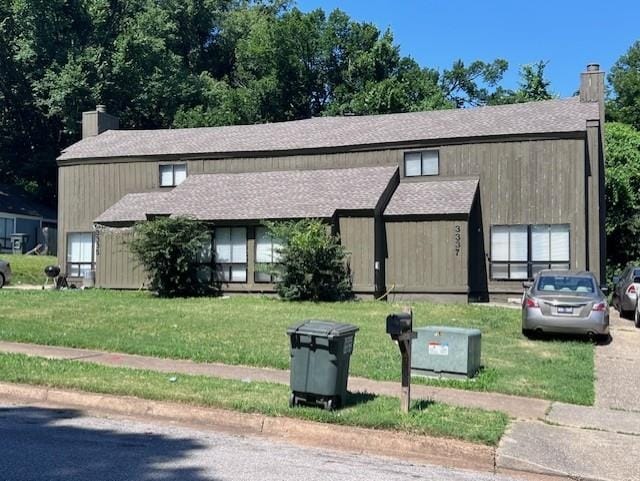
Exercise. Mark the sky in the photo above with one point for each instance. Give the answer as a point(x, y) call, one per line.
point(568, 34)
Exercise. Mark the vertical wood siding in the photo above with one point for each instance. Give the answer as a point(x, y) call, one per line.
point(521, 182)
point(423, 258)
point(357, 235)
point(115, 265)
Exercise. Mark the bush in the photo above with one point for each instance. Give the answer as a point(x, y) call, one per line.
point(168, 249)
point(311, 262)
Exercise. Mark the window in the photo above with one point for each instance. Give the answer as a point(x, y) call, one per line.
point(231, 254)
point(7, 227)
point(421, 163)
point(549, 247)
point(80, 253)
point(519, 252)
point(266, 255)
point(204, 262)
point(172, 174)
point(509, 249)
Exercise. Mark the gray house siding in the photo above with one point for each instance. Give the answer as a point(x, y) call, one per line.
point(538, 180)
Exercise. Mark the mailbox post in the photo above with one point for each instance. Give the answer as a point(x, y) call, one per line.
point(400, 328)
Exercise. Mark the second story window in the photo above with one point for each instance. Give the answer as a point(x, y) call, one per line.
point(417, 164)
point(172, 174)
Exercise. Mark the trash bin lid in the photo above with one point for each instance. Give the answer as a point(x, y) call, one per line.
point(319, 328)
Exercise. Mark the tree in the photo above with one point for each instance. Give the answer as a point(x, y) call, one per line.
point(622, 194)
point(460, 83)
point(625, 82)
point(192, 63)
point(169, 249)
point(533, 86)
point(312, 264)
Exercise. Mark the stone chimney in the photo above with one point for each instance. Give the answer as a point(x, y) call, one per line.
point(97, 121)
point(592, 86)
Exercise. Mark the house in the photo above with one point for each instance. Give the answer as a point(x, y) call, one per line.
point(455, 204)
point(22, 213)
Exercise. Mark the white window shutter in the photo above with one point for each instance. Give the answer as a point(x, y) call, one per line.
point(179, 173)
point(518, 244)
point(412, 164)
point(500, 243)
point(238, 244)
point(540, 243)
point(560, 243)
point(263, 246)
point(430, 162)
point(223, 244)
point(166, 175)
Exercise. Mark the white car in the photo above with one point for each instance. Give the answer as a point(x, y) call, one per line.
point(5, 273)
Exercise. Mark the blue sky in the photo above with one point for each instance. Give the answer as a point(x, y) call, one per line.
point(566, 33)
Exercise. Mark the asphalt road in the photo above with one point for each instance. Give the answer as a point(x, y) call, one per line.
point(51, 444)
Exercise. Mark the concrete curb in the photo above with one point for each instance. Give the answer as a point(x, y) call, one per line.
point(425, 449)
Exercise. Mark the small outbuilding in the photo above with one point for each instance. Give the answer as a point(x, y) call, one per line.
point(22, 213)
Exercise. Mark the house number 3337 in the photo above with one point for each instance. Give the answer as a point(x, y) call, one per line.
point(457, 239)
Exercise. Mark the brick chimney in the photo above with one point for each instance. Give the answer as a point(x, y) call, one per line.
point(592, 86)
point(97, 121)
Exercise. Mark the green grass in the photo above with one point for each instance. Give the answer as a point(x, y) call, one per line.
point(28, 269)
point(377, 412)
point(251, 331)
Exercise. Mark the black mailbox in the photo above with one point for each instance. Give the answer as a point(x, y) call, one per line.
point(398, 324)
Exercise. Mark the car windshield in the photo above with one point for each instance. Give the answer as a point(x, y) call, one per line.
point(566, 284)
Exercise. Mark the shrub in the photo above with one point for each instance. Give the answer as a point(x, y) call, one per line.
point(312, 264)
point(168, 249)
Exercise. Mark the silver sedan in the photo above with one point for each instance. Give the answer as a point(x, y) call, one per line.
point(565, 302)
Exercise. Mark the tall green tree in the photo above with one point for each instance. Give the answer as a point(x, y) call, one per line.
point(188, 63)
point(622, 143)
point(533, 86)
point(624, 79)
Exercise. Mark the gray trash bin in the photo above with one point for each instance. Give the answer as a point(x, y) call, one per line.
point(19, 243)
point(320, 355)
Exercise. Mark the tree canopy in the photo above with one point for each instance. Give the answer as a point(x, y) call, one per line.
point(622, 194)
point(625, 83)
point(188, 63)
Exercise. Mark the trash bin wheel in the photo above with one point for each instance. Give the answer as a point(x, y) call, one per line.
point(293, 401)
point(330, 404)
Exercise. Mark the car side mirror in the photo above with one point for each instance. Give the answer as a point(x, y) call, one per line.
point(527, 284)
point(616, 279)
point(605, 290)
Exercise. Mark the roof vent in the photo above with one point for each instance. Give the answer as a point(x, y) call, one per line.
point(101, 108)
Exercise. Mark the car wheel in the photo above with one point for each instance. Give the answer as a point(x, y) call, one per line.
point(626, 314)
point(1, 280)
point(636, 317)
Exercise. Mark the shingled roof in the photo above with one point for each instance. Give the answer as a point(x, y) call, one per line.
point(260, 195)
point(550, 116)
point(442, 197)
point(134, 207)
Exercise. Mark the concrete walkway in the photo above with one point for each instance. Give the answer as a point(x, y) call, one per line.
point(588, 443)
point(515, 406)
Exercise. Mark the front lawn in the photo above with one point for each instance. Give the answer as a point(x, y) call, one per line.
point(28, 269)
point(251, 331)
point(377, 412)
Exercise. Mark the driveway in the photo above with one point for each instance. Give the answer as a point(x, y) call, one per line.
point(618, 367)
point(596, 443)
